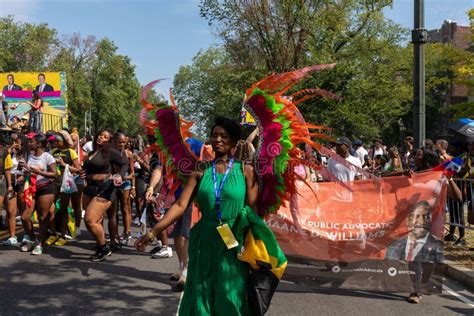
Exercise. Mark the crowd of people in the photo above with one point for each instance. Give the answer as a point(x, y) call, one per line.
point(112, 173)
point(116, 176)
point(385, 161)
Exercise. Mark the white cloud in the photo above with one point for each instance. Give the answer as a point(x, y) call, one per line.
point(22, 10)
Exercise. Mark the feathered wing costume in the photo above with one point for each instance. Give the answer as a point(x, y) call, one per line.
point(170, 132)
point(282, 128)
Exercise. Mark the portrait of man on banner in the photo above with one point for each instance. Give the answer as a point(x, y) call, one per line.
point(11, 85)
point(43, 86)
point(422, 251)
point(419, 244)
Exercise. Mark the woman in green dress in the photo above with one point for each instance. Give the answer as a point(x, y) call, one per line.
point(217, 279)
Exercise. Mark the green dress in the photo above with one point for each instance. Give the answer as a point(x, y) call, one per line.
point(216, 281)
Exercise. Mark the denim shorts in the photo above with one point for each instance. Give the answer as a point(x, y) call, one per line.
point(104, 189)
point(182, 226)
point(126, 185)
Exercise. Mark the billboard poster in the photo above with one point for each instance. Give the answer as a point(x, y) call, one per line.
point(17, 89)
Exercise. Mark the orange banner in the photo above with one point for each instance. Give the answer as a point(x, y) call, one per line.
point(361, 220)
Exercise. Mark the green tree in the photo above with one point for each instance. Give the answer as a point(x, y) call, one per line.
point(441, 63)
point(288, 34)
point(98, 79)
point(211, 86)
point(114, 90)
point(75, 56)
point(372, 73)
point(25, 46)
point(464, 74)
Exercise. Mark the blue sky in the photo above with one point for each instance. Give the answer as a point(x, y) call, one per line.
point(161, 35)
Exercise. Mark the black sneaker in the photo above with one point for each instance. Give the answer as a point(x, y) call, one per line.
point(449, 237)
point(460, 242)
point(115, 247)
point(101, 253)
point(156, 249)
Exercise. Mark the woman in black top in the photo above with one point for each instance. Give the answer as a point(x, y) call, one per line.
point(35, 121)
point(101, 188)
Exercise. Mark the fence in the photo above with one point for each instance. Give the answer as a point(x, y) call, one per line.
point(458, 210)
point(52, 122)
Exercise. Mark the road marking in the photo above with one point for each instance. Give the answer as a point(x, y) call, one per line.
point(458, 296)
point(388, 295)
point(179, 304)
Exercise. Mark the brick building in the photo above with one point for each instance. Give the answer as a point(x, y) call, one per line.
point(460, 37)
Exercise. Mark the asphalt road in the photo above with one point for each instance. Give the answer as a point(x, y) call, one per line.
point(64, 282)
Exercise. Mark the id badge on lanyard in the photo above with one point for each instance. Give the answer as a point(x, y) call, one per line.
point(223, 229)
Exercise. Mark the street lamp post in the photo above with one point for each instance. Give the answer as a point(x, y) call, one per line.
point(419, 37)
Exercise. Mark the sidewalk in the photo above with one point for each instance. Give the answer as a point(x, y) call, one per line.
point(459, 273)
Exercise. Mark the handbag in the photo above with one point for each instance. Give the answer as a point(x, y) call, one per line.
point(262, 282)
point(68, 184)
point(267, 262)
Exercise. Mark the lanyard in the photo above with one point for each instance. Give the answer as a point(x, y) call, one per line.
point(218, 191)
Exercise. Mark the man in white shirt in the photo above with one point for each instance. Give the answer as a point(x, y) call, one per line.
point(377, 149)
point(345, 172)
point(360, 151)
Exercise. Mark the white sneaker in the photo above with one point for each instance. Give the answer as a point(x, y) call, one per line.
point(25, 239)
point(165, 252)
point(37, 251)
point(12, 241)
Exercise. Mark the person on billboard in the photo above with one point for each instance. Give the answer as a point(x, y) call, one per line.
point(11, 86)
point(43, 86)
point(420, 249)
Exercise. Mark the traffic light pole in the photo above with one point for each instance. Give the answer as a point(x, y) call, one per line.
point(419, 38)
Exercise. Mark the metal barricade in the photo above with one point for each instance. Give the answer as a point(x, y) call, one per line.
point(52, 122)
point(459, 210)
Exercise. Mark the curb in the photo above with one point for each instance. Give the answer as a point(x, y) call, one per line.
point(459, 273)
